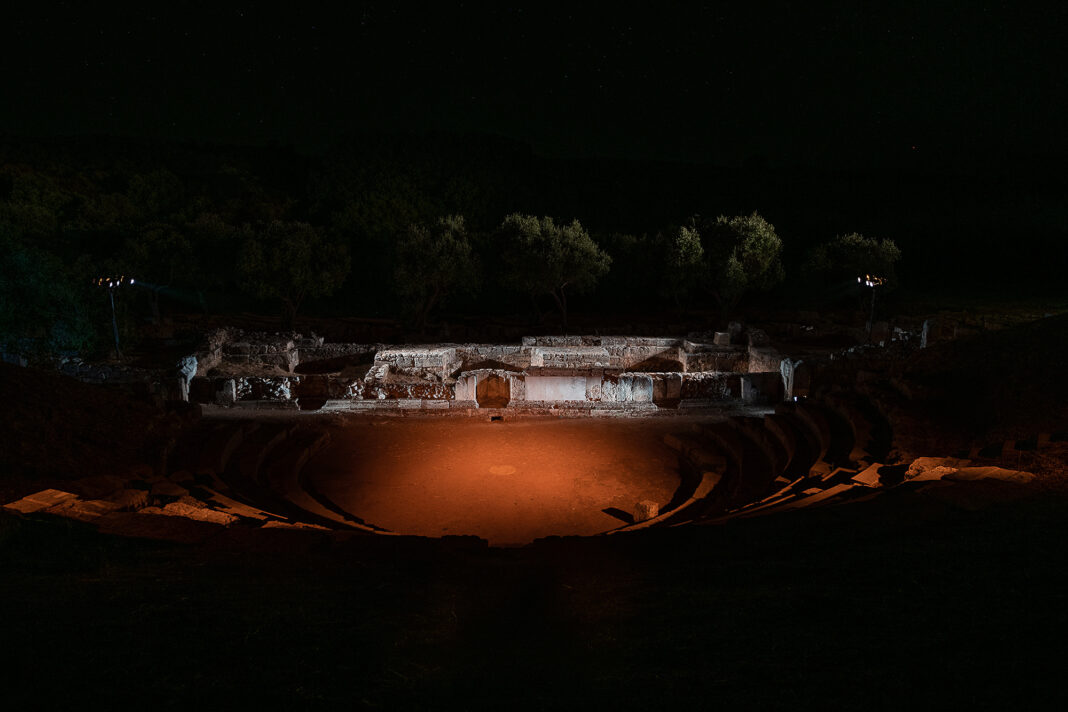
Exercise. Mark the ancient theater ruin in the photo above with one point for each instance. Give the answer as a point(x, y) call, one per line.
point(580, 374)
point(548, 436)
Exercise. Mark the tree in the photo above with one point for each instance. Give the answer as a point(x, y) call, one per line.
point(291, 261)
point(541, 257)
point(847, 257)
point(432, 263)
point(744, 255)
point(683, 263)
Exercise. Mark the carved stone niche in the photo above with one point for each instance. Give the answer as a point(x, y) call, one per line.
point(492, 391)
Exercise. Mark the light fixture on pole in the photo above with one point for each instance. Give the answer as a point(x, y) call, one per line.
point(871, 281)
point(111, 284)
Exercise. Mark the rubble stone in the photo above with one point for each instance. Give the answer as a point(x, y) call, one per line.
point(645, 510)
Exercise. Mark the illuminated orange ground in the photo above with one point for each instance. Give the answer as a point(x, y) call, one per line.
point(507, 482)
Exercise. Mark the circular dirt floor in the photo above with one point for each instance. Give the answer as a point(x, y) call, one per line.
point(508, 482)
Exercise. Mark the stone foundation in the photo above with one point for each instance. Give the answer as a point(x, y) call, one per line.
point(580, 373)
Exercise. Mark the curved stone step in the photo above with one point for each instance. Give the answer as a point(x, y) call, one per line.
point(685, 510)
point(754, 471)
point(806, 442)
point(864, 446)
point(755, 429)
point(836, 435)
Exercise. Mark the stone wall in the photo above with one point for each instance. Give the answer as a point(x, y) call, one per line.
point(440, 361)
point(540, 371)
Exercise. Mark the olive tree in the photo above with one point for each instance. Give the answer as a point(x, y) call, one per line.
point(541, 257)
point(744, 254)
point(432, 263)
point(683, 263)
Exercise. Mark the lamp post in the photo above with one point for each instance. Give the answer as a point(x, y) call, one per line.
point(111, 284)
point(871, 281)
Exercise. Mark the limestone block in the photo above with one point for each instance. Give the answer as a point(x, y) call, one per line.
point(710, 386)
point(593, 388)
point(84, 510)
point(465, 387)
point(966, 474)
point(191, 509)
point(659, 389)
point(41, 500)
point(639, 387)
point(645, 509)
point(934, 468)
point(764, 358)
point(869, 477)
point(517, 382)
point(718, 359)
point(570, 357)
point(556, 388)
point(226, 392)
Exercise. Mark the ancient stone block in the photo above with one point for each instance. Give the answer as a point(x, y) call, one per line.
point(41, 500)
point(645, 510)
point(572, 357)
point(710, 386)
point(763, 359)
point(556, 388)
point(226, 392)
point(465, 387)
point(517, 384)
point(666, 387)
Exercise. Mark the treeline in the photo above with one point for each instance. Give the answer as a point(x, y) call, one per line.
point(408, 226)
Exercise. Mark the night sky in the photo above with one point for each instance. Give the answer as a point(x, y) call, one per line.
point(950, 83)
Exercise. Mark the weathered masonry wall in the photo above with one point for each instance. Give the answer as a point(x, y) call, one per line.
point(594, 371)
